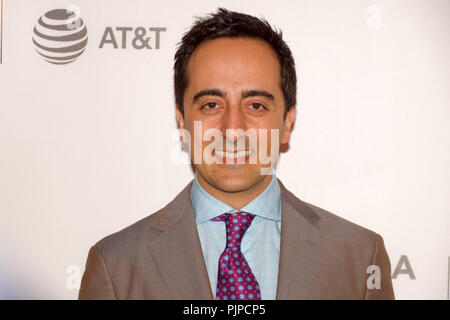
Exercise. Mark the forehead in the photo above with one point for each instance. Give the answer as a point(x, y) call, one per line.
point(233, 63)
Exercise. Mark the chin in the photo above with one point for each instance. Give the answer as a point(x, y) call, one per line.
point(234, 185)
point(233, 178)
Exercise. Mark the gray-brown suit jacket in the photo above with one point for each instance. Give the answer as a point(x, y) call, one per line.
point(160, 257)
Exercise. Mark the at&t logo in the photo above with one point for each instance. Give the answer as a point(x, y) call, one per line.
point(60, 35)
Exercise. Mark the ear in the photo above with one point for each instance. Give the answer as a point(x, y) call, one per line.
point(179, 117)
point(288, 125)
point(180, 122)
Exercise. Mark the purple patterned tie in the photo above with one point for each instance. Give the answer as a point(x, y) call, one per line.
point(235, 280)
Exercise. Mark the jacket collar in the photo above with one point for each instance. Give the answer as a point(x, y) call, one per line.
point(176, 250)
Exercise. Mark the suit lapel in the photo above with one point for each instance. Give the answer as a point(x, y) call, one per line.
point(302, 248)
point(176, 250)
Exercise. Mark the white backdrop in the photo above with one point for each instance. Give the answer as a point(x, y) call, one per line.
point(87, 147)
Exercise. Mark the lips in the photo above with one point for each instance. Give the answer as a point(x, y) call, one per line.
point(237, 157)
point(233, 155)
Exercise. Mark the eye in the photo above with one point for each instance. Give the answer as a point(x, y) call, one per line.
point(210, 106)
point(257, 107)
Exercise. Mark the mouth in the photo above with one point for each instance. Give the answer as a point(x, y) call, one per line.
point(236, 157)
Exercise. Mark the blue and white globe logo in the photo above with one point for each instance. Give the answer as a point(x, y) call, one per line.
point(60, 36)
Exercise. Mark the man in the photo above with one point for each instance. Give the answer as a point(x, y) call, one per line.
point(235, 232)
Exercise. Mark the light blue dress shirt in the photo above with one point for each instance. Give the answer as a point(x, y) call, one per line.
point(260, 244)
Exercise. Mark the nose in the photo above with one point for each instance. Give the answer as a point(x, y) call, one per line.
point(233, 123)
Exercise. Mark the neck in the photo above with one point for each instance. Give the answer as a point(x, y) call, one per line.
point(239, 199)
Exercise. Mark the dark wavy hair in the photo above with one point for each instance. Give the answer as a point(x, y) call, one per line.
point(231, 24)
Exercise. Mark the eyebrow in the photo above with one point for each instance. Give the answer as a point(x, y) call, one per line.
point(244, 94)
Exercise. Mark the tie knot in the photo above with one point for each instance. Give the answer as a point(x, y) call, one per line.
point(236, 224)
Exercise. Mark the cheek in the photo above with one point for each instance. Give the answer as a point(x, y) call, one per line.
point(270, 125)
point(202, 134)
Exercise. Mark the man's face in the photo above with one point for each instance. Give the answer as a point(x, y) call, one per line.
point(221, 74)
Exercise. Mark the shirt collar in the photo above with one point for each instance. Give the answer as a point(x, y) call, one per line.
point(266, 205)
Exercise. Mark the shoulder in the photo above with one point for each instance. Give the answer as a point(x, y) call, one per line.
point(136, 236)
point(346, 251)
point(343, 231)
point(128, 239)
point(337, 229)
